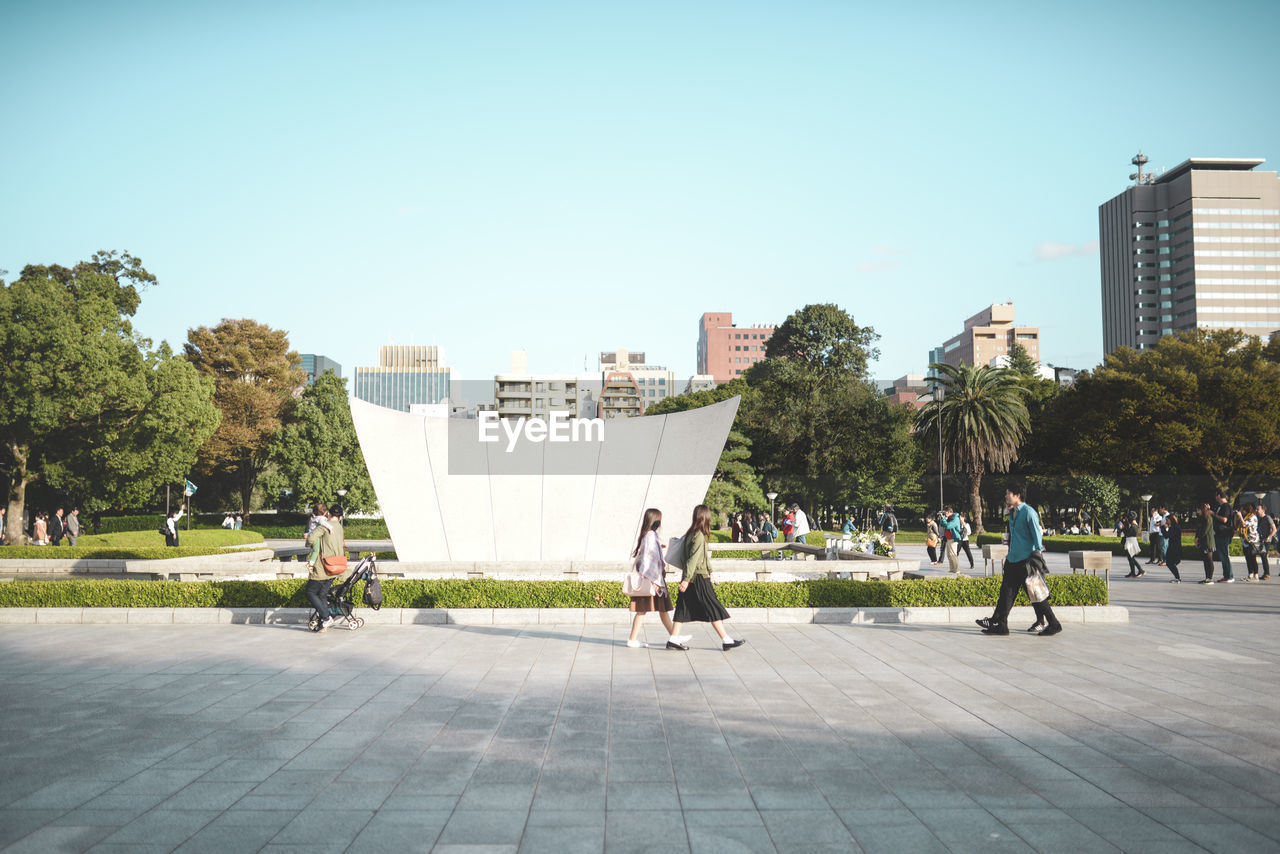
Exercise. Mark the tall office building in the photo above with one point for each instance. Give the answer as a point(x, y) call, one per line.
point(316, 365)
point(725, 350)
point(988, 337)
point(1196, 247)
point(403, 377)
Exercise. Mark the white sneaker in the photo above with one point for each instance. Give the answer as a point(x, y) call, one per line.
point(636, 644)
point(328, 621)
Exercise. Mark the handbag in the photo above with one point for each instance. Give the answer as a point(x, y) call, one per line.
point(635, 584)
point(675, 553)
point(1037, 589)
point(334, 565)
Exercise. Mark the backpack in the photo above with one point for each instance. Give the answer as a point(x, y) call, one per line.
point(890, 523)
point(373, 593)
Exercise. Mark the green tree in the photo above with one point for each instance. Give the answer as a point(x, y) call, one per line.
point(824, 338)
point(983, 420)
point(91, 410)
point(256, 377)
point(1021, 363)
point(735, 485)
point(316, 452)
point(1099, 495)
point(821, 433)
point(1193, 406)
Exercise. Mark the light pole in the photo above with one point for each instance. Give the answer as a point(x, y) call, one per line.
point(937, 398)
point(1146, 519)
point(771, 496)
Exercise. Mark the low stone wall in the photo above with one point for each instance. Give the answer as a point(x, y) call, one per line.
point(229, 564)
point(1095, 614)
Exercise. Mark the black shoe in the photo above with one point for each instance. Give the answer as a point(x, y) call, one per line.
point(984, 623)
point(733, 643)
point(680, 646)
point(1132, 575)
point(1141, 572)
point(1036, 626)
point(996, 630)
point(1052, 630)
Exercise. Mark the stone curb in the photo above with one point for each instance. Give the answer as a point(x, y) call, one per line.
point(541, 616)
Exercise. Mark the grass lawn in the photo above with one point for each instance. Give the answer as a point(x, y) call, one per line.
point(196, 538)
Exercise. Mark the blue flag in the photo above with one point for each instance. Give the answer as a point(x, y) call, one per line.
point(190, 490)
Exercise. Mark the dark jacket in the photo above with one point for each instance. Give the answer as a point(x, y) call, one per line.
point(1036, 563)
point(1173, 552)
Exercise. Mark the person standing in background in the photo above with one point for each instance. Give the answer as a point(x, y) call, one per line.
point(1266, 538)
point(1205, 541)
point(1173, 545)
point(55, 527)
point(73, 526)
point(966, 531)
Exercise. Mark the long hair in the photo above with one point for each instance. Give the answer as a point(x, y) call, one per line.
point(701, 522)
point(652, 519)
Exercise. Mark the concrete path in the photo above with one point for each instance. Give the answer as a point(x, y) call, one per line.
point(1157, 736)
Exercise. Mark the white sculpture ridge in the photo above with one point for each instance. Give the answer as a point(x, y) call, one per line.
point(447, 497)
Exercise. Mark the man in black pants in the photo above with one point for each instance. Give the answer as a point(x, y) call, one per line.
point(1024, 540)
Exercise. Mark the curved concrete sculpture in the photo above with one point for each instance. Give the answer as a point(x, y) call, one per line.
point(449, 496)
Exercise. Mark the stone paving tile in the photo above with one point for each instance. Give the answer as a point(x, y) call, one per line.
point(812, 738)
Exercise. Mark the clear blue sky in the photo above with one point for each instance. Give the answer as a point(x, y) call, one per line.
point(577, 177)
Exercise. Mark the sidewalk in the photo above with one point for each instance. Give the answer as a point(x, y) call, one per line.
point(1154, 736)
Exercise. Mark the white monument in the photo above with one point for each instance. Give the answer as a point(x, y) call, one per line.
point(472, 490)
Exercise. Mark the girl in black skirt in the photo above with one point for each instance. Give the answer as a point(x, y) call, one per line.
point(698, 602)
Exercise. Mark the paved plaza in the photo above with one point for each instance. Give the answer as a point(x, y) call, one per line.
point(1159, 736)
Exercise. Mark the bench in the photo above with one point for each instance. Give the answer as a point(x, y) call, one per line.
point(1092, 561)
point(993, 556)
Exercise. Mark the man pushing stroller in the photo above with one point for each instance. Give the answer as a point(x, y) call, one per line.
point(328, 563)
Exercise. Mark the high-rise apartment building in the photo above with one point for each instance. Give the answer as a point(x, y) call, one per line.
point(620, 397)
point(725, 350)
point(404, 376)
point(988, 335)
point(316, 365)
point(653, 382)
point(1198, 246)
point(520, 394)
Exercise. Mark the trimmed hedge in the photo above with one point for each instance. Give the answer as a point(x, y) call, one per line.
point(491, 593)
point(355, 529)
point(1062, 543)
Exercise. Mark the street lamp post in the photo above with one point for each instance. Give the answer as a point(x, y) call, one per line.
point(771, 496)
point(937, 397)
point(1146, 519)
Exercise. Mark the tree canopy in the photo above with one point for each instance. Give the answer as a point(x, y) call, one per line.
point(316, 452)
point(256, 377)
point(1196, 405)
point(91, 409)
point(982, 418)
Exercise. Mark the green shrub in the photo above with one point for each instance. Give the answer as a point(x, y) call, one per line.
point(1060, 543)
point(492, 593)
point(355, 529)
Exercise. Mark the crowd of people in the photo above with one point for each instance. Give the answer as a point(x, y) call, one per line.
point(1216, 525)
point(752, 526)
point(49, 529)
point(947, 534)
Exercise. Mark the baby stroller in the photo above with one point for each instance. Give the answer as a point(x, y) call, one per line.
point(341, 604)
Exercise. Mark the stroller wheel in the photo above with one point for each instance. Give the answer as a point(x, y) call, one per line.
point(357, 623)
point(313, 624)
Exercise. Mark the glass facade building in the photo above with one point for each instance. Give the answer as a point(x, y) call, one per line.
point(403, 377)
point(316, 365)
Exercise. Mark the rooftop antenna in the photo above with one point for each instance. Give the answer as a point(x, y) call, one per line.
point(1140, 177)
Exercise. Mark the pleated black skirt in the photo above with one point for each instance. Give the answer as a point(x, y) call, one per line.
point(699, 604)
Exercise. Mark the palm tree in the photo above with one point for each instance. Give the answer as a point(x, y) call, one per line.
point(983, 420)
